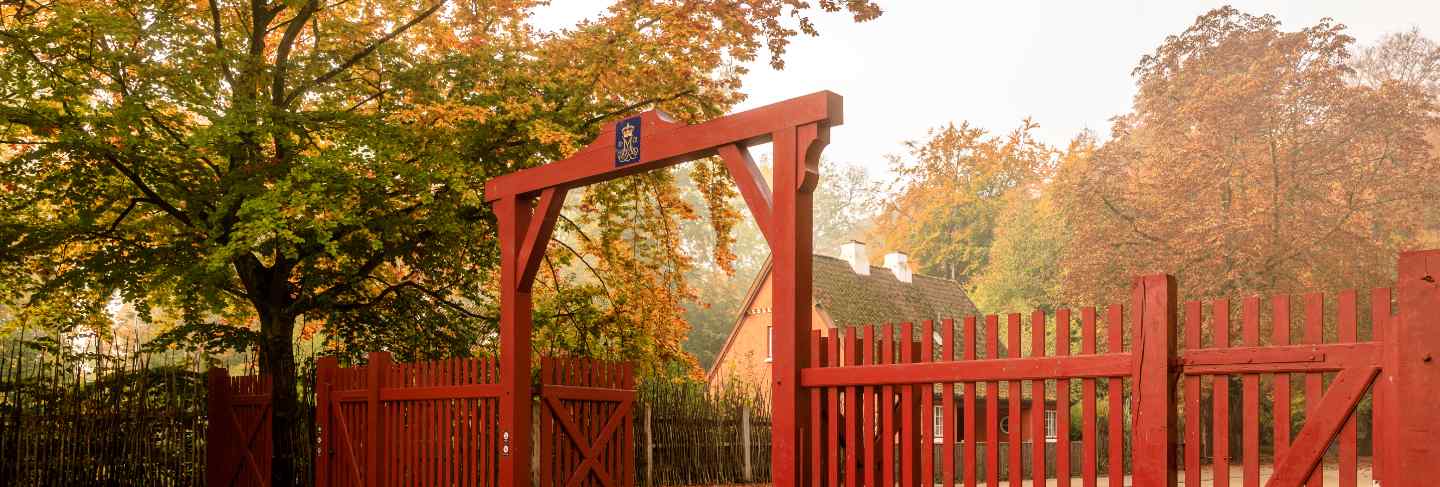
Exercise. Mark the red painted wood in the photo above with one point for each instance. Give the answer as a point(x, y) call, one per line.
point(220, 453)
point(668, 143)
point(512, 216)
point(324, 387)
point(1014, 398)
point(1416, 381)
point(1089, 471)
point(926, 423)
point(1280, 406)
point(887, 410)
point(907, 427)
point(949, 433)
point(1062, 402)
point(1348, 333)
point(1314, 385)
point(870, 411)
point(796, 157)
point(1115, 322)
point(1153, 430)
point(1321, 427)
point(1250, 393)
point(815, 427)
point(1037, 401)
point(1220, 398)
point(853, 399)
point(1380, 325)
point(832, 415)
point(375, 440)
point(970, 448)
point(798, 129)
point(1012, 369)
point(992, 405)
point(1193, 321)
point(753, 188)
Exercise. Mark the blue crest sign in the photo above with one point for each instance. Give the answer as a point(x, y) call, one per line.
point(627, 141)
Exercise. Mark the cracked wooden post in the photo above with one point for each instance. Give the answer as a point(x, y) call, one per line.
point(1153, 433)
point(1416, 373)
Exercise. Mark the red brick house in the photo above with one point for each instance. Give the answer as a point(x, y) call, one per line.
point(850, 292)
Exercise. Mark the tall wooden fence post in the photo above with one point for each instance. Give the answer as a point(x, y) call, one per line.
point(325, 449)
point(374, 416)
point(1153, 406)
point(1416, 374)
point(745, 439)
point(220, 439)
point(649, 452)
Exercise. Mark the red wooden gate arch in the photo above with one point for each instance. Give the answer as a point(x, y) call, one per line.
point(527, 202)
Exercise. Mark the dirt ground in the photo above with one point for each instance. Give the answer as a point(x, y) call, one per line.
point(1207, 479)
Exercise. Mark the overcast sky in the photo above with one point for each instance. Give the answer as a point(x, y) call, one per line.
point(1066, 64)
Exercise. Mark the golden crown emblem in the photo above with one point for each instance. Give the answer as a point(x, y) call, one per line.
point(628, 130)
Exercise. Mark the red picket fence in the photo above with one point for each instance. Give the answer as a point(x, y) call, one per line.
point(586, 423)
point(423, 423)
point(872, 402)
point(437, 424)
point(237, 437)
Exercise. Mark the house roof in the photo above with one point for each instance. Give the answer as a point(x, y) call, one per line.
point(852, 300)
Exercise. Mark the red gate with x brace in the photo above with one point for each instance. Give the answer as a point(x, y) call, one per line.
point(586, 423)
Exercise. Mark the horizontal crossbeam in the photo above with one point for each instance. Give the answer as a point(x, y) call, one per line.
point(1039, 368)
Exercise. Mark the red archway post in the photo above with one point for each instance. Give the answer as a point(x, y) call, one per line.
point(526, 204)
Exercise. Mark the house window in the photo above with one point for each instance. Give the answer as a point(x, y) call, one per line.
point(769, 343)
point(938, 428)
point(1050, 426)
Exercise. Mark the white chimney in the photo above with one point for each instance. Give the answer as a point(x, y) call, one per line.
point(854, 253)
point(899, 264)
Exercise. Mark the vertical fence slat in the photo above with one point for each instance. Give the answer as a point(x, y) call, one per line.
point(1037, 402)
point(1380, 402)
point(832, 414)
point(926, 423)
point(948, 431)
point(1014, 399)
point(887, 409)
point(870, 406)
point(1089, 471)
point(1220, 397)
point(972, 445)
point(853, 399)
point(1314, 385)
point(1115, 333)
point(1193, 320)
point(992, 405)
point(1280, 335)
point(907, 432)
point(1062, 402)
point(1250, 401)
point(1348, 333)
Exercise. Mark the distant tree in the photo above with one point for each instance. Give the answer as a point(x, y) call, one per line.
point(1250, 164)
point(1404, 57)
point(1023, 270)
point(949, 190)
point(264, 164)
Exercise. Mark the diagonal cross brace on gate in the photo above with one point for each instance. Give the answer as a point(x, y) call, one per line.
point(526, 204)
point(590, 448)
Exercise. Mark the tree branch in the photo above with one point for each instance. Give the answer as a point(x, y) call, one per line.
point(149, 193)
point(357, 57)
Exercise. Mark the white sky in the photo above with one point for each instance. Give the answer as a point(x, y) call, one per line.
point(1064, 63)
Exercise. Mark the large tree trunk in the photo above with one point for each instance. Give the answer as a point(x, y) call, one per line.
point(278, 360)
